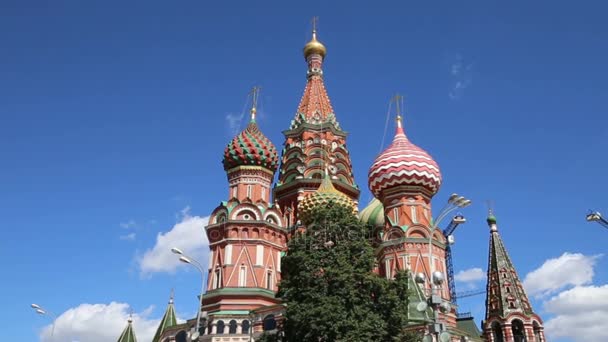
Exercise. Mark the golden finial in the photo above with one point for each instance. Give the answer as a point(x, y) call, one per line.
point(171, 296)
point(398, 99)
point(314, 46)
point(255, 92)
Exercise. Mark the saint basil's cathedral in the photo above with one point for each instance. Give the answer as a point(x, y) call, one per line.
point(248, 232)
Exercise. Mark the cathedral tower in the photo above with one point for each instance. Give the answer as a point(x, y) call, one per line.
point(246, 236)
point(509, 315)
point(404, 178)
point(313, 140)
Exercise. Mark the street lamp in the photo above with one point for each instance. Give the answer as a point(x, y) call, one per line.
point(189, 260)
point(595, 216)
point(41, 311)
point(455, 202)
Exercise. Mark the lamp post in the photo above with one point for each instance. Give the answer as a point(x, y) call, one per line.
point(189, 260)
point(595, 216)
point(41, 311)
point(437, 278)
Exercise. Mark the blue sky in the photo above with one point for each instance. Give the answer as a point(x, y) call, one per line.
point(114, 116)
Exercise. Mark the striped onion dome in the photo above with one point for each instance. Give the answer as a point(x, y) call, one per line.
point(403, 163)
point(325, 194)
point(373, 213)
point(251, 148)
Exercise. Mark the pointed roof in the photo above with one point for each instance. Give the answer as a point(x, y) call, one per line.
point(505, 294)
point(168, 321)
point(315, 107)
point(128, 335)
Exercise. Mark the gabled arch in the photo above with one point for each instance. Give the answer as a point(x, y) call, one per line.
point(417, 232)
point(243, 209)
point(393, 234)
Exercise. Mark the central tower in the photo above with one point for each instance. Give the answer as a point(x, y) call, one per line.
point(313, 142)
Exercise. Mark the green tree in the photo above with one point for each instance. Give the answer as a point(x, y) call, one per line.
point(329, 288)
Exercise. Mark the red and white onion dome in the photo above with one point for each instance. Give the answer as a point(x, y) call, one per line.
point(403, 163)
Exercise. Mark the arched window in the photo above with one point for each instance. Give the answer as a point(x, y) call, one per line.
point(232, 327)
point(519, 333)
point(269, 323)
point(245, 327)
point(181, 336)
point(537, 334)
point(497, 332)
point(219, 327)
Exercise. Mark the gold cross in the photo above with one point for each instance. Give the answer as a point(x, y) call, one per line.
point(398, 99)
point(314, 23)
point(255, 92)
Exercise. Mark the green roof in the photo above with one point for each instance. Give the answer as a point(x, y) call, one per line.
point(167, 322)
point(468, 326)
point(128, 335)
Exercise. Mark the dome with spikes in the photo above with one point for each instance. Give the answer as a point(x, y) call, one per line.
point(403, 163)
point(373, 213)
point(326, 194)
point(251, 148)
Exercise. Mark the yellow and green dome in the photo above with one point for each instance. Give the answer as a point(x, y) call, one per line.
point(325, 194)
point(373, 213)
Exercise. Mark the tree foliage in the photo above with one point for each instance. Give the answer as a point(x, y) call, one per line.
point(330, 290)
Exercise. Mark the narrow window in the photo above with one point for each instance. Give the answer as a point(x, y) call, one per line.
point(269, 281)
point(220, 327)
point(259, 255)
point(228, 254)
point(245, 327)
point(217, 281)
point(414, 217)
point(234, 191)
point(243, 276)
point(396, 214)
point(264, 194)
point(232, 327)
point(248, 191)
point(387, 268)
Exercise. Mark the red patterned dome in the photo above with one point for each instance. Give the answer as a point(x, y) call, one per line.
point(251, 148)
point(403, 163)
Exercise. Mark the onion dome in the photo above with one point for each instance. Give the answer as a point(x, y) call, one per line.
point(314, 47)
point(251, 148)
point(325, 194)
point(403, 163)
point(373, 214)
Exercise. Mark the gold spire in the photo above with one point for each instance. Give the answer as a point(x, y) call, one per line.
point(314, 46)
point(255, 92)
point(398, 99)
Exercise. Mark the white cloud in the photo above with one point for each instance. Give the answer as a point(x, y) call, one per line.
point(129, 224)
point(188, 235)
point(99, 323)
point(234, 122)
point(580, 313)
point(462, 77)
point(471, 275)
point(128, 237)
point(557, 273)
